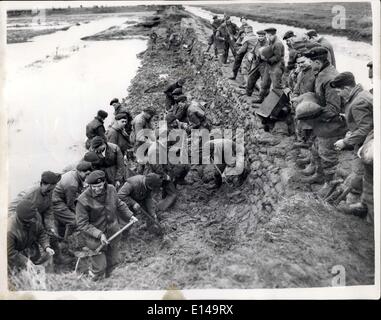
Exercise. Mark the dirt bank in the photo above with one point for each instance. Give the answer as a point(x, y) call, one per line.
point(318, 16)
point(268, 233)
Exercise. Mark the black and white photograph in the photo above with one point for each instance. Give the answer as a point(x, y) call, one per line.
point(190, 149)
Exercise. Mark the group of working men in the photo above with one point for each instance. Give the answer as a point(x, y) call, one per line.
point(329, 110)
point(107, 187)
point(104, 190)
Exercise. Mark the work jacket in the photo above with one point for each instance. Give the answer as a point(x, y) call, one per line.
point(331, 54)
point(20, 237)
point(95, 128)
point(96, 214)
point(41, 203)
point(277, 49)
point(257, 61)
point(359, 115)
point(134, 190)
point(305, 81)
point(64, 195)
point(227, 32)
point(119, 137)
point(138, 124)
point(113, 163)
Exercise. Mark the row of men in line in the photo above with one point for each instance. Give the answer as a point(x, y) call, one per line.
point(331, 111)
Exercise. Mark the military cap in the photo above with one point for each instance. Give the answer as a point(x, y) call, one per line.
point(96, 142)
point(150, 110)
point(115, 100)
point(370, 64)
point(121, 115)
point(270, 30)
point(215, 17)
point(49, 177)
point(25, 210)
point(91, 156)
point(103, 114)
point(227, 17)
point(289, 34)
point(261, 32)
point(343, 79)
point(84, 166)
point(95, 177)
point(311, 33)
point(250, 28)
point(316, 52)
point(243, 17)
point(153, 181)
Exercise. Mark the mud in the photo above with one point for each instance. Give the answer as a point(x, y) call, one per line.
point(267, 233)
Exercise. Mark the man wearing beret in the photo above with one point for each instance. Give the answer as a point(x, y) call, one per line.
point(141, 123)
point(274, 66)
point(111, 160)
point(117, 134)
point(96, 128)
point(100, 213)
point(359, 117)
point(137, 194)
point(317, 39)
point(41, 198)
point(122, 108)
point(66, 192)
point(212, 41)
point(329, 125)
point(225, 36)
point(258, 65)
point(25, 236)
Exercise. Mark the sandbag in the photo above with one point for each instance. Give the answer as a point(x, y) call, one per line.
point(308, 110)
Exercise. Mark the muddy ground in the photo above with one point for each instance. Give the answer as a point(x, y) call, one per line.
point(267, 233)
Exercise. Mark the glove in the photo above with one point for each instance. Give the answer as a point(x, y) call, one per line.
point(103, 239)
point(50, 251)
point(134, 219)
point(136, 207)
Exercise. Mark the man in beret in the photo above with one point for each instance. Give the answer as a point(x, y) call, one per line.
point(41, 198)
point(329, 125)
point(358, 105)
point(317, 39)
point(212, 40)
point(137, 194)
point(274, 66)
point(121, 107)
point(170, 92)
point(142, 127)
point(65, 194)
point(117, 134)
point(258, 64)
point(244, 55)
point(25, 235)
point(96, 128)
point(100, 214)
point(111, 160)
point(225, 36)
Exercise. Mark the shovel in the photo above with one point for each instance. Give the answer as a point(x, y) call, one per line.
point(90, 253)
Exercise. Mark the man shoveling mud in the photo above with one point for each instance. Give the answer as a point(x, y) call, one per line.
point(100, 213)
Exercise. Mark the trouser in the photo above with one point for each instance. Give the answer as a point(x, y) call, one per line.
point(169, 195)
point(272, 75)
point(357, 179)
point(223, 51)
point(253, 77)
point(108, 258)
point(237, 63)
point(367, 190)
point(326, 156)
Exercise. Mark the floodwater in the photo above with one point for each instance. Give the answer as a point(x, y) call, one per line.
point(55, 85)
point(350, 55)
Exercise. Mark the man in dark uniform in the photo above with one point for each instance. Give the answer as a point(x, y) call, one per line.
point(212, 40)
point(169, 92)
point(258, 66)
point(317, 39)
point(122, 108)
point(96, 127)
point(25, 235)
point(225, 36)
point(100, 214)
point(274, 66)
point(117, 134)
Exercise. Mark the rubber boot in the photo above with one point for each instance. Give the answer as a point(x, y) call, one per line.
point(303, 161)
point(327, 188)
point(259, 99)
point(358, 209)
point(309, 170)
point(317, 177)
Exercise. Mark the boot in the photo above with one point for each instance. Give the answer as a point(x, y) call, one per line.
point(233, 77)
point(303, 161)
point(309, 170)
point(328, 187)
point(300, 145)
point(317, 177)
point(357, 209)
point(259, 99)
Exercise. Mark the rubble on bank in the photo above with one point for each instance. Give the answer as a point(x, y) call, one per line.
point(267, 233)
